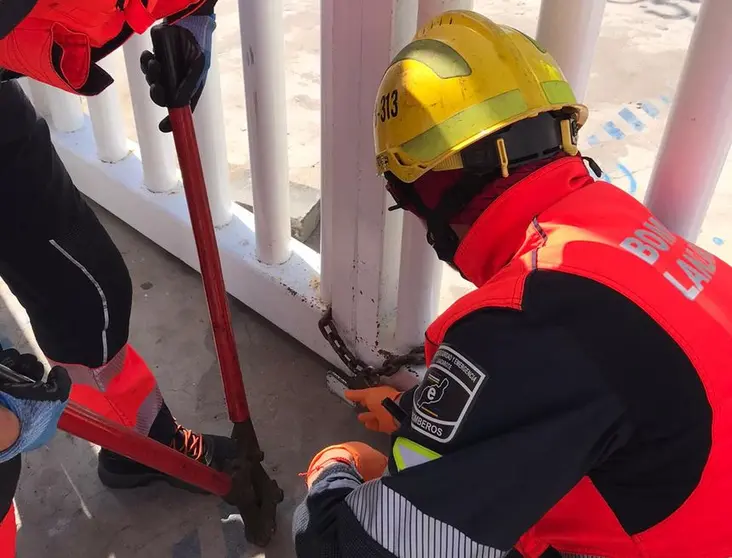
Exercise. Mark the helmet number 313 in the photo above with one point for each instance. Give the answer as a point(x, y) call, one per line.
point(389, 106)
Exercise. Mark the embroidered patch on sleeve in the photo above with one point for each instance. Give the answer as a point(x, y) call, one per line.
point(446, 394)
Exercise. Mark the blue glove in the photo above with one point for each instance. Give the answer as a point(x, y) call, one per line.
point(202, 28)
point(188, 51)
point(37, 404)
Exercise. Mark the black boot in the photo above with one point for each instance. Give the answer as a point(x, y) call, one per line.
point(116, 471)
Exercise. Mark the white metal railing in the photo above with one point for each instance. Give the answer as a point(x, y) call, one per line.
point(698, 135)
point(158, 152)
point(573, 50)
point(262, 47)
point(372, 261)
point(106, 118)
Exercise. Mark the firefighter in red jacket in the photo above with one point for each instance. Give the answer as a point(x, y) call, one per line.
point(57, 258)
point(578, 403)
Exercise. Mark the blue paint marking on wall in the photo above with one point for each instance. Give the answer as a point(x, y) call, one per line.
point(613, 130)
point(633, 187)
point(665, 99)
point(718, 241)
point(188, 547)
point(593, 140)
point(627, 115)
point(606, 177)
point(650, 109)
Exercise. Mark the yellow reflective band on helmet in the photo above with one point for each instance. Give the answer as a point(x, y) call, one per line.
point(465, 126)
point(408, 453)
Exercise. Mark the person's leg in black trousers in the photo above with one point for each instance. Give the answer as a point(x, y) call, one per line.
point(67, 273)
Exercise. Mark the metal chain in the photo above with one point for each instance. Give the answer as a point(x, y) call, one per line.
point(359, 369)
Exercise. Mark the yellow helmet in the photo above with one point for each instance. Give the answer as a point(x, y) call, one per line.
point(463, 78)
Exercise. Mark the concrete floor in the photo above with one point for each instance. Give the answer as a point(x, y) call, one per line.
point(64, 510)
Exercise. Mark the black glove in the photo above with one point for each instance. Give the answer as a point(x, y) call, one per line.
point(56, 388)
point(37, 405)
point(177, 75)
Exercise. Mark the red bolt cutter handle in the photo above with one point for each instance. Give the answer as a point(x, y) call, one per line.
point(189, 160)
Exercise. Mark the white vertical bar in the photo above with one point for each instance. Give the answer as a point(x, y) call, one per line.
point(569, 30)
point(39, 97)
point(66, 114)
point(404, 24)
point(105, 112)
point(357, 39)
point(156, 148)
point(209, 122)
point(24, 83)
point(327, 149)
point(431, 8)
point(420, 273)
point(419, 285)
point(698, 133)
point(403, 28)
point(262, 43)
point(420, 277)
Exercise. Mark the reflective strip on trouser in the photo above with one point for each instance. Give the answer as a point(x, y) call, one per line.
point(7, 534)
point(408, 454)
point(123, 390)
point(407, 532)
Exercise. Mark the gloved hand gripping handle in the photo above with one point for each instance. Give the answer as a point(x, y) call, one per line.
point(85, 424)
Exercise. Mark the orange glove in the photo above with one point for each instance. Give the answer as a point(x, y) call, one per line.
point(369, 463)
point(377, 418)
